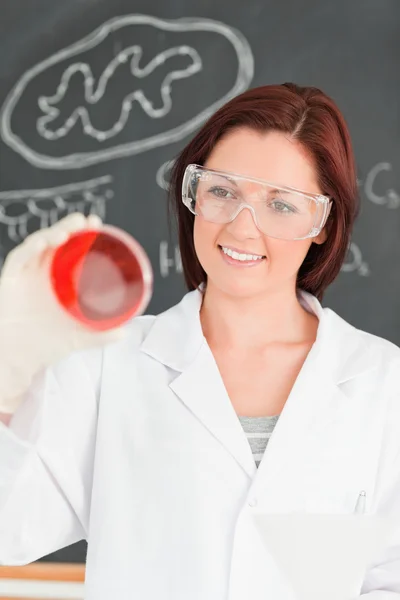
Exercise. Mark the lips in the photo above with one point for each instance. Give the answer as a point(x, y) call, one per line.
point(237, 252)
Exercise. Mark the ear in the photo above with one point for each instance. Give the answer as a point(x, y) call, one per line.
point(322, 237)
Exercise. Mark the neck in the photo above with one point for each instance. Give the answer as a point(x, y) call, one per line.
point(257, 321)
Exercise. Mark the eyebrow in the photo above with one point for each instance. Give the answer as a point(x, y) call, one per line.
point(281, 190)
point(270, 190)
point(228, 178)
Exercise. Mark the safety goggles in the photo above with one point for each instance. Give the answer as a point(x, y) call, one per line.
point(278, 211)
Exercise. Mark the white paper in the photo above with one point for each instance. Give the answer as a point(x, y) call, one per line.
point(323, 556)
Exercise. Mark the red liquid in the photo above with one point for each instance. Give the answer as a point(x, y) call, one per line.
point(102, 278)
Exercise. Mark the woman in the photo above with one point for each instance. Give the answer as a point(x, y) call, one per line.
point(142, 446)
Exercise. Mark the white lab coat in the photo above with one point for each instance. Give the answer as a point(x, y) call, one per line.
point(137, 449)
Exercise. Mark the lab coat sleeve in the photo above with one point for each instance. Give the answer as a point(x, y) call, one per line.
point(46, 461)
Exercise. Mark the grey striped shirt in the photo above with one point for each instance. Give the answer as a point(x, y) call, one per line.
point(258, 431)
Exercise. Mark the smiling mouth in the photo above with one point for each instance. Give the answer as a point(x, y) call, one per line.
point(241, 256)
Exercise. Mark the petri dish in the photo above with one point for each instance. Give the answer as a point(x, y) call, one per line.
point(102, 277)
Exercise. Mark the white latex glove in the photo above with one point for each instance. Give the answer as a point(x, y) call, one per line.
point(35, 331)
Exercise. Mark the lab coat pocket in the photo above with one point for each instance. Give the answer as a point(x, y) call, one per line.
point(321, 555)
point(338, 462)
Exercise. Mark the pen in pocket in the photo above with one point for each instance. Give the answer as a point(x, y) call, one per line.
point(360, 504)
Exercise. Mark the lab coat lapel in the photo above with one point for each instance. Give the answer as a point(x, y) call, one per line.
point(319, 425)
point(201, 388)
point(314, 459)
point(176, 339)
point(313, 404)
point(316, 411)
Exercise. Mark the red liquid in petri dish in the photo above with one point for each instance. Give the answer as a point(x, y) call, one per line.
point(102, 277)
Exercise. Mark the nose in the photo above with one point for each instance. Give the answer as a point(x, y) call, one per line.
point(243, 225)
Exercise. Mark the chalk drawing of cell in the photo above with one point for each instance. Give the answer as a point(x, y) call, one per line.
point(19, 207)
point(135, 83)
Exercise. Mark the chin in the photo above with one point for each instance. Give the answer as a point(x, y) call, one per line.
point(239, 289)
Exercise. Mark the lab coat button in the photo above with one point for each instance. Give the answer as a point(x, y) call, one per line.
point(252, 502)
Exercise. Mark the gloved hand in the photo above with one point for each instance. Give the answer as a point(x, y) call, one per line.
point(35, 331)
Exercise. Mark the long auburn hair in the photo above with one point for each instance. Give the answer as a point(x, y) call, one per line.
point(311, 117)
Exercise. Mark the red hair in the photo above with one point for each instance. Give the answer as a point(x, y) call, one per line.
point(309, 116)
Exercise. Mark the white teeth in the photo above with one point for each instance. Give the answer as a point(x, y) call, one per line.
point(238, 256)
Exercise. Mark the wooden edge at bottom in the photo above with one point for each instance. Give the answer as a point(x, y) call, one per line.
point(44, 571)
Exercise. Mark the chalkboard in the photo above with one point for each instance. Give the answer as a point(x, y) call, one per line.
point(98, 96)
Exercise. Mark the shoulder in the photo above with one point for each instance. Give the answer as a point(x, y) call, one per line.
point(178, 320)
point(366, 366)
point(385, 358)
point(170, 327)
point(383, 347)
point(349, 349)
point(366, 341)
point(138, 328)
point(364, 357)
point(172, 338)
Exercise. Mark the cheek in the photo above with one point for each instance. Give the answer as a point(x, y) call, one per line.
point(205, 237)
point(288, 255)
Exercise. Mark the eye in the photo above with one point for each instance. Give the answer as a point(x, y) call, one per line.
point(220, 192)
point(282, 207)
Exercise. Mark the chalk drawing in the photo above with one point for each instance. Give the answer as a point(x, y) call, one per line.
point(92, 96)
point(18, 207)
point(391, 198)
point(355, 263)
point(169, 263)
point(192, 64)
point(162, 175)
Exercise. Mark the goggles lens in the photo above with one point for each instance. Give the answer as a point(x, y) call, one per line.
point(277, 211)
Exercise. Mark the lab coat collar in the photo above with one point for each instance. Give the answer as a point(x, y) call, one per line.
point(176, 338)
point(339, 353)
point(343, 350)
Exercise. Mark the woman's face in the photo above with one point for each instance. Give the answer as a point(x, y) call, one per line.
point(275, 158)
